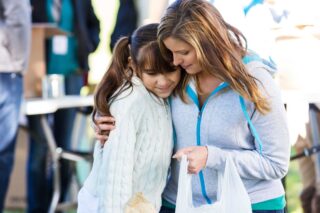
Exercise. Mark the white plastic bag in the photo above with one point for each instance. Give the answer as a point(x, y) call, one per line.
point(232, 196)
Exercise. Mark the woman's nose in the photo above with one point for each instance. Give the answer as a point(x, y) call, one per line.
point(176, 60)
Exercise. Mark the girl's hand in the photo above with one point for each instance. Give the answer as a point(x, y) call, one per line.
point(102, 126)
point(196, 155)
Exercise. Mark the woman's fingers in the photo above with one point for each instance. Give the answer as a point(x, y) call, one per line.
point(102, 126)
point(183, 151)
point(104, 119)
point(193, 167)
point(101, 138)
point(196, 155)
point(106, 127)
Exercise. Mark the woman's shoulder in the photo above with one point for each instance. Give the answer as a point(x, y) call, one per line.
point(265, 80)
point(261, 71)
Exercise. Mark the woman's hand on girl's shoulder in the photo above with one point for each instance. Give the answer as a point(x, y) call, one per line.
point(102, 126)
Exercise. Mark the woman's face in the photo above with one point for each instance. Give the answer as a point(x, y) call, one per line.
point(161, 84)
point(184, 55)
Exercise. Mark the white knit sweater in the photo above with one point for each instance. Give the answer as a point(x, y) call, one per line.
point(136, 157)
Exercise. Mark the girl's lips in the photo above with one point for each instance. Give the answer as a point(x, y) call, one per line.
point(165, 89)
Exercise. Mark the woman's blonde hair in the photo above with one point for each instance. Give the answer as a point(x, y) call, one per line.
point(219, 46)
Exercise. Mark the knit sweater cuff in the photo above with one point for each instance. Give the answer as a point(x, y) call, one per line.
point(216, 158)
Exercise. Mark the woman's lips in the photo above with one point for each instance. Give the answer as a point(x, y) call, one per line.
point(186, 67)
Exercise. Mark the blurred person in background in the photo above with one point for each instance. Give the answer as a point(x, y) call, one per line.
point(255, 19)
point(126, 22)
point(150, 11)
point(310, 194)
point(67, 56)
point(15, 32)
point(132, 14)
point(300, 72)
point(261, 16)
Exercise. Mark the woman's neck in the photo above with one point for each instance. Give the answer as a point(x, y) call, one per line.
point(208, 83)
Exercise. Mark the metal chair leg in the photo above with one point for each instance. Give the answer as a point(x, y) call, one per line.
point(55, 163)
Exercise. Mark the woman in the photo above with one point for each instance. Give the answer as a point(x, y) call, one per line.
point(136, 159)
point(193, 35)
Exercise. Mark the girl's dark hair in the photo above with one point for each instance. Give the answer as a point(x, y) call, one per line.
point(143, 50)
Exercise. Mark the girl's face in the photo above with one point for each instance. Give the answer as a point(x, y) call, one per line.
point(184, 55)
point(161, 84)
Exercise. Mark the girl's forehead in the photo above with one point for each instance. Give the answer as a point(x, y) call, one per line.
point(147, 59)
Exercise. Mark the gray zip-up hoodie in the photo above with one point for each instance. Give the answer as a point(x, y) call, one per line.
point(15, 32)
point(222, 127)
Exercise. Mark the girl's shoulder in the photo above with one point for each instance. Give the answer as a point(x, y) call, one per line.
point(135, 97)
point(130, 95)
point(131, 103)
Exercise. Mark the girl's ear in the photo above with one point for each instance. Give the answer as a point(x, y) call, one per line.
point(131, 64)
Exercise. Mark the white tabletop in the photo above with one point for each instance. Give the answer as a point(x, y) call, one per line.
point(38, 106)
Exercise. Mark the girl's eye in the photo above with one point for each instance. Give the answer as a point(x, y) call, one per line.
point(185, 53)
point(151, 73)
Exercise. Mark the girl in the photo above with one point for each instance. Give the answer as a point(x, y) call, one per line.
point(136, 158)
point(233, 106)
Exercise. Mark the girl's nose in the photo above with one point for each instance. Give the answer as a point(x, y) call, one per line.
point(163, 81)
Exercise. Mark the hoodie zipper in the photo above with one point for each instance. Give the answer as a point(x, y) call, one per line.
point(194, 97)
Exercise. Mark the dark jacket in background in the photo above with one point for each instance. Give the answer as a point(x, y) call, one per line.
point(126, 22)
point(86, 27)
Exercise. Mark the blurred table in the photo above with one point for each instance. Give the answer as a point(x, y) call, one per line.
point(41, 107)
